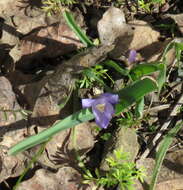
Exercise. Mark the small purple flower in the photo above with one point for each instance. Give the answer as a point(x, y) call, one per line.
point(102, 108)
point(132, 56)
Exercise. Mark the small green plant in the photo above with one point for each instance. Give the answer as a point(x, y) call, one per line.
point(7, 112)
point(56, 6)
point(128, 119)
point(152, 128)
point(94, 75)
point(106, 136)
point(121, 172)
point(146, 5)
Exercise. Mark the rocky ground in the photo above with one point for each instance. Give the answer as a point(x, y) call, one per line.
point(33, 45)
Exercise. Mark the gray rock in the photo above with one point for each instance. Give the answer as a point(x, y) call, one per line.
point(66, 178)
point(124, 139)
point(112, 29)
point(12, 130)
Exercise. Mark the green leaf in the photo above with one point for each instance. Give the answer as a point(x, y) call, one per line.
point(71, 121)
point(179, 45)
point(178, 50)
point(135, 92)
point(162, 152)
point(168, 47)
point(144, 69)
point(116, 67)
point(161, 79)
point(72, 24)
point(97, 173)
point(139, 108)
point(92, 75)
point(5, 115)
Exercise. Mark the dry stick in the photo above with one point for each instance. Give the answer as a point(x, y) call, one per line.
point(173, 88)
point(164, 127)
point(157, 108)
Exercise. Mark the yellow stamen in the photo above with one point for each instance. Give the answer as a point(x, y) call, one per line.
point(100, 107)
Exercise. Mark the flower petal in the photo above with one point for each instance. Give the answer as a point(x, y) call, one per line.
point(112, 98)
point(102, 108)
point(100, 118)
point(109, 111)
point(132, 56)
point(86, 103)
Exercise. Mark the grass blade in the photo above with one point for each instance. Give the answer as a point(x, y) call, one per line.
point(162, 152)
point(168, 47)
point(72, 24)
point(161, 79)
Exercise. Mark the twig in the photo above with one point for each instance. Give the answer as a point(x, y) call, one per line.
point(173, 88)
point(164, 127)
point(157, 108)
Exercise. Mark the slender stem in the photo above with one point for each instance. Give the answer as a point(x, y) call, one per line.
point(37, 155)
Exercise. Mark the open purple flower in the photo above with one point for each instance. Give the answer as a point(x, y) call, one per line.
point(132, 56)
point(102, 108)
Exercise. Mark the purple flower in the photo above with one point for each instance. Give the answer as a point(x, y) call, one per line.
point(102, 108)
point(132, 56)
